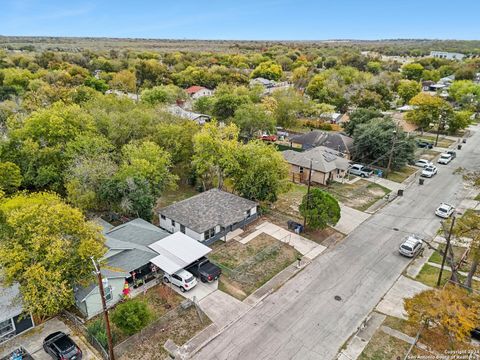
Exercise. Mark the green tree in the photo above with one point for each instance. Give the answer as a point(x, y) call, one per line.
point(374, 140)
point(287, 107)
point(374, 67)
point(260, 172)
point(252, 119)
point(412, 71)
point(204, 105)
point(124, 81)
point(226, 104)
point(97, 84)
point(163, 94)
point(360, 116)
point(320, 209)
point(466, 93)
point(131, 316)
point(11, 177)
point(45, 246)
point(407, 89)
point(268, 70)
point(459, 120)
point(429, 111)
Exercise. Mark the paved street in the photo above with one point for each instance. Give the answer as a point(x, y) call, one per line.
point(302, 320)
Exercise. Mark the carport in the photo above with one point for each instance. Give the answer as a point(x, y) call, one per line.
point(177, 251)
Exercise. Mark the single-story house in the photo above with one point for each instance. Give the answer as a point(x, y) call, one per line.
point(177, 251)
point(208, 216)
point(262, 81)
point(327, 165)
point(332, 140)
point(127, 260)
point(13, 320)
point(196, 92)
point(185, 114)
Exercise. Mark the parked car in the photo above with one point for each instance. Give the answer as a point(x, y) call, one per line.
point(444, 158)
point(204, 270)
point(444, 210)
point(423, 163)
point(61, 347)
point(424, 144)
point(429, 171)
point(411, 246)
point(475, 333)
point(452, 153)
point(266, 137)
point(281, 132)
point(182, 278)
point(360, 170)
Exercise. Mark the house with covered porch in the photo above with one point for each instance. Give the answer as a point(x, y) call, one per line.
point(208, 216)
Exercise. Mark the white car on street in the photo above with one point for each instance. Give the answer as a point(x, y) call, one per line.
point(445, 158)
point(411, 246)
point(423, 163)
point(429, 171)
point(444, 210)
point(182, 278)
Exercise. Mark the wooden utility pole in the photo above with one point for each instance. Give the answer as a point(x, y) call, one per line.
point(438, 129)
point(308, 194)
point(390, 157)
point(111, 355)
point(447, 248)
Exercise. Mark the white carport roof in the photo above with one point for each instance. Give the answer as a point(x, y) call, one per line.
point(177, 251)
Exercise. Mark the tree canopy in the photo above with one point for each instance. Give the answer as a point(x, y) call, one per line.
point(320, 209)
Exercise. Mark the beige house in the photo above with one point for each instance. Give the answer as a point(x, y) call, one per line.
point(327, 165)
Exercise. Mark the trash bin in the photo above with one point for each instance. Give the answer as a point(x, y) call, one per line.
point(420, 181)
point(459, 147)
point(464, 141)
point(400, 192)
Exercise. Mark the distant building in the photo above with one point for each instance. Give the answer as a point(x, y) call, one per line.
point(180, 112)
point(196, 92)
point(446, 55)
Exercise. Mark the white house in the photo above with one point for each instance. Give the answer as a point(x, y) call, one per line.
point(208, 216)
point(196, 92)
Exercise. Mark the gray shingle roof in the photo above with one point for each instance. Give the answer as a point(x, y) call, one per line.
point(323, 159)
point(10, 302)
point(209, 209)
point(335, 141)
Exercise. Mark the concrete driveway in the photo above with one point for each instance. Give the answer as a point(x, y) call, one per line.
point(392, 302)
point(350, 219)
point(199, 292)
point(222, 308)
point(32, 341)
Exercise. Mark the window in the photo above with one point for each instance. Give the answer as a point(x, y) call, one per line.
point(6, 327)
point(182, 228)
point(249, 213)
point(209, 233)
point(162, 217)
point(108, 293)
point(173, 223)
point(300, 169)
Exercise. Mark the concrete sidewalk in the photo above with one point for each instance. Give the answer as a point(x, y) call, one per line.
point(350, 219)
point(389, 184)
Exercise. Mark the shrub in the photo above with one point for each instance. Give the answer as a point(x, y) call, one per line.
point(98, 331)
point(131, 316)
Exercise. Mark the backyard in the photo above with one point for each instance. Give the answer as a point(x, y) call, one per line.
point(246, 267)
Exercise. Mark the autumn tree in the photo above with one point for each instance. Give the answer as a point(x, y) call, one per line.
point(412, 71)
point(452, 310)
point(45, 247)
point(407, 89)
point(10, 178)
point(252, 119)
point(268, 70)
point(124, 81)
point(429, 111)
point(320, 209)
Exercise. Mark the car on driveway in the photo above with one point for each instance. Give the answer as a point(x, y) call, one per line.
point(268, 137)
point(444, 210)
point(205, 270)
point(424, 144)
point(61, 347)
point(444, 158)
point(411, 246)
point(429, 171)
point(423, 163)
point(182, 278)
point(452, 153)
point(360, 170)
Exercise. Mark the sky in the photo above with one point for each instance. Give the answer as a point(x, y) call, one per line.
point(245, 19)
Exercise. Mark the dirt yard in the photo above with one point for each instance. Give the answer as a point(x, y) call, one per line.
point(246, 267)
point(360, 195)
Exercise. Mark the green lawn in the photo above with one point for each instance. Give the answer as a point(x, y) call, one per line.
point(384, 347)
point(401, 175)
point(429, 276)
point(442, 141)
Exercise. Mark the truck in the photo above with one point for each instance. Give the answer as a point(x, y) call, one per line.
point(360, 170)
point(204, 270)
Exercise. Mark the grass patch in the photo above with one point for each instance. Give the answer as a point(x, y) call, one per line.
point(282, 147)
point(246, 267)
point(437, 257)
point(360, 195)
point(384, 347)
point(442, 141)
point(429, 276)
point(401, 325)
point(401, 175)
point(170, 197)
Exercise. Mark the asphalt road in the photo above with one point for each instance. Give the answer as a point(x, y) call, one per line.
point(302, 320)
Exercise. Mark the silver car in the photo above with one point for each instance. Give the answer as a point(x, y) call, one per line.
point(411, 246)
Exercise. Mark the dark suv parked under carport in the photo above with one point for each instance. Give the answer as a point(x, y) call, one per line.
point(61, 347)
